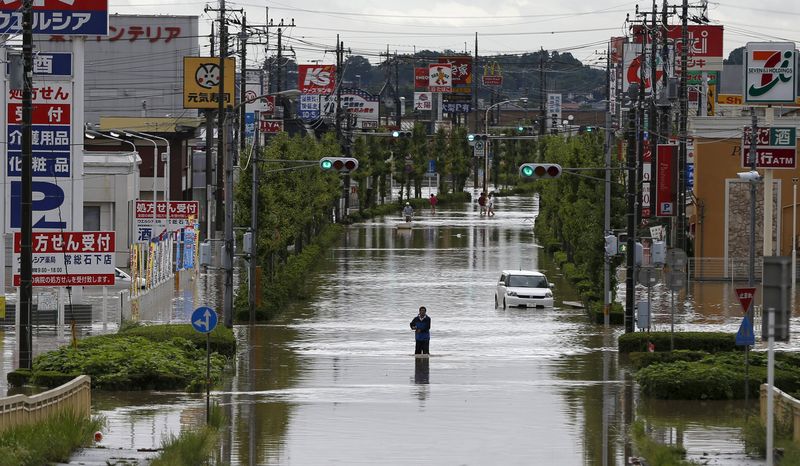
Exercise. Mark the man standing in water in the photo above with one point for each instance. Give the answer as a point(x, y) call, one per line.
point(421, 325)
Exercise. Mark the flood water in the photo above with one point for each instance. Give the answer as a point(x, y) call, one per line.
point(334, 380)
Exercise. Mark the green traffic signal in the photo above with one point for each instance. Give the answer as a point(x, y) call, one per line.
point(527, 170)
point(326, 164)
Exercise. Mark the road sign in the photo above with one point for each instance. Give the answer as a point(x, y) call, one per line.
point(745, 335)
point(745, 296)
point(204, 319)
point(676, 281)
point(676, 259)
point(479, 149)
point(648, 276)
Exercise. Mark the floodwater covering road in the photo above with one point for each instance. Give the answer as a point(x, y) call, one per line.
point(334, 381)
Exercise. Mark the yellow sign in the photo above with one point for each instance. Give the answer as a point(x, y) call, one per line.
point(736, 99)
point(201, 82)
point(2, 307)
point(711, 103)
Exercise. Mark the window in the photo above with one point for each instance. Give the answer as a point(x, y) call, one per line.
point(91, 218)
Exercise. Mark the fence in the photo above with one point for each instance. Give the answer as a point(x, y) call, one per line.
point(786, 408)
point(733, 269)
point(75, 396)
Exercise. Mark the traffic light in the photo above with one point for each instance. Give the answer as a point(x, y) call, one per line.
point(658, 252)
point(622, 243)
point(339, 164)
point(477, 137)
point(535, 171)
point(401, 134)
point(611, 245)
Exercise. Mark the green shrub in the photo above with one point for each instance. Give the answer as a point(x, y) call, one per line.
point(616, 314)
point(52, 378)
point(221, 338)
point(19, 377)
point(710, 342)
point(559, 257)
point(642, 360)
point(46, 442)
point(657, 454)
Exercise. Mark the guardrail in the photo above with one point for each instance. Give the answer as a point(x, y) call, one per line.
point(733, 269)
point(787, 409)
point(75, 396)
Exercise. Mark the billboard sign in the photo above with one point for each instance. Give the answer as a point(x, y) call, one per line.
point(423, 101)
point(421, 79)
point(70, 258)
point(666, 164)
point(635, 66)
point(456, 103)
point(553, 110)
point(493, 80)
point(201, 82)
point(309, 107)
point(62, 17)
point(440, 77)
point(148, 226)
point(270, 126)
point(776, 147)
point(647, 176)
point(769, 72)
point(361, 105)
point(316, 79)
point(461, 68)
point(52, 160)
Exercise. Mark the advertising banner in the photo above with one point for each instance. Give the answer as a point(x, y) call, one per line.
point(456, 103)
point(666, 164)
point(201, 82)
point(52, 160)
point(553, 110)
point(461, 68)
point(271, 126)
point(647, 176)
point(316, 79)
point(309, 107)
point(776, 147)
point(769, 72)
point(181, 214)
point(421, 79)
point(361, 105)
point(423, 101)
point(70, 258)
point(440, 77)
point(635, 66)
point(63, 17)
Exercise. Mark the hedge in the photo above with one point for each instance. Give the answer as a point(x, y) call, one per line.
point(710, 342)
point(642, 360)
point(222, 339)
point(616, 314)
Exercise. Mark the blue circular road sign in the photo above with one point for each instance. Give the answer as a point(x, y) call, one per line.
point(204, 319)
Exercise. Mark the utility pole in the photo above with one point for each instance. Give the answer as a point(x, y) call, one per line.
point(475, 88)
point(243, 86)
point(397, 115)
point(680, 234)
point(607, 203)
point(221, 114)
point(631, 162)
point(542, 119)
point(26, 256)
point(339, 76)
point(209, 157)
point(254, 225)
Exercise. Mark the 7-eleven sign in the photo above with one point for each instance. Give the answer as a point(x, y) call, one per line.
point(745, 296)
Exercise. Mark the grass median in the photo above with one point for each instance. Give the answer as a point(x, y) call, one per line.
point(46, 442)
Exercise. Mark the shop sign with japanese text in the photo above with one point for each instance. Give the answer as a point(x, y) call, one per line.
point(776, 147)
point(70, 258)
point(149, 226)
point(63, 17)
point(201, 80)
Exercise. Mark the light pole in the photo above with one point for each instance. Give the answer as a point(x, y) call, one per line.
point(155, 173)
point(486, 130)
point(166, 182)
point(794, 237)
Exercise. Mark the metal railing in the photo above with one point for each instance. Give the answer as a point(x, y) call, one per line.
point(733, 269)
point(74, 396)
point(787, 410)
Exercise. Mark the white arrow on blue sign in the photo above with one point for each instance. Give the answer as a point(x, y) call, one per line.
point(204, 319)
point(745, 335)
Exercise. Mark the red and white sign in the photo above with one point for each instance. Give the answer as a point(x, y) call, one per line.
point(316, 79)
point(71, 258)
point(634, 66)
point(181, 214)
point(705, 52)
point(421, 79)
point(493, 80)
point(647, 177)
point(666, 161)
point(440, 77)
point(423, 101)
point(270, 126)
point(745, 296)
point(461, 68)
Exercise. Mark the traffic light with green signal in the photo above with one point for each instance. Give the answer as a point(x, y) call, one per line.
point(401, 134)
point(477, 137)
point(339, 164)
point(536, 171)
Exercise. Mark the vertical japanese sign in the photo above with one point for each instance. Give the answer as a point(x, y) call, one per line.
point(52, 161)
point(440, 77)
point(62, 17)
point(71, 258)
point(553, 110)
point(776, 147)
point(666, 161)
point(149, 226)
point(309, 107)
point(647, 176)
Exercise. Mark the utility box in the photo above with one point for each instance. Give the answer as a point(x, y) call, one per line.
point(777, 284)
point(658, 253)
point(639, 253)
point(205, 253)
point(643, 315)
point(247, 242)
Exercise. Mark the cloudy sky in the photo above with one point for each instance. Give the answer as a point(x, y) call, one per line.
point(508, 26)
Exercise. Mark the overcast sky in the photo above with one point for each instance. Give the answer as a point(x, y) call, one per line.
point(510, 26)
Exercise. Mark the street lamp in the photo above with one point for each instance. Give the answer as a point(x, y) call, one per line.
point(524, 100)
point(155, 172)
point(166, 183)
